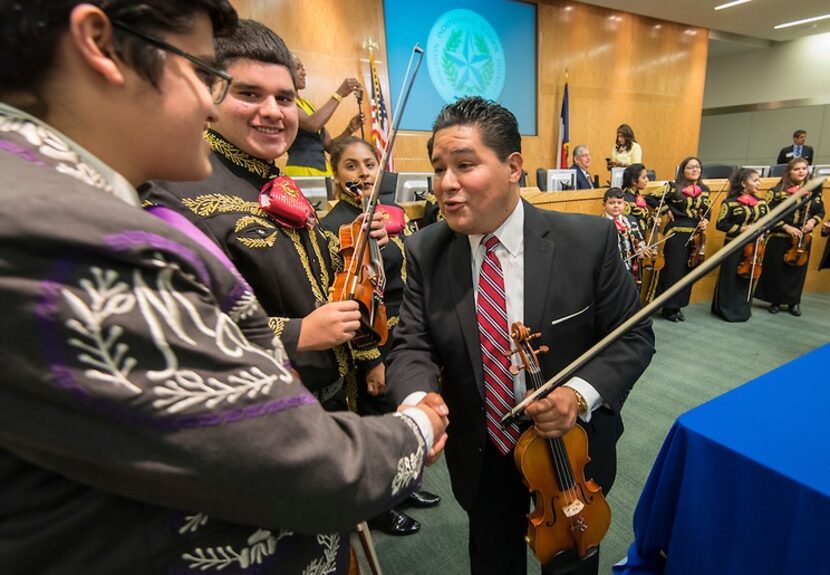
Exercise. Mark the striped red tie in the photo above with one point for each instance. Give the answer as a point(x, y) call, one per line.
point(495, 342)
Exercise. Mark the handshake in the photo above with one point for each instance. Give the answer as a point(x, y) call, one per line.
point(436, 410)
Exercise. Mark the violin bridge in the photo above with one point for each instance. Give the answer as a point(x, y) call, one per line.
point(573, 508)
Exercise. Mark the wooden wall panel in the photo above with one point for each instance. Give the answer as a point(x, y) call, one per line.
point(622, 68)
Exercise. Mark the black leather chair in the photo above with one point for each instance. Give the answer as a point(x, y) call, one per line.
point(777, 171)
point(523, 179)
point(652, 175)
point(542, 179)
point(387, 188)
point(716, 171)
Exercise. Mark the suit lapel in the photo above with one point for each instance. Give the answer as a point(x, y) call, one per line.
point(539, 252)
point(461, 290)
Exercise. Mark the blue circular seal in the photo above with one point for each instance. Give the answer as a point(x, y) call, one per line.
point(465, 56)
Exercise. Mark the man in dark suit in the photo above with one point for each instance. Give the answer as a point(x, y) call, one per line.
point(560, 274)
point(582, 162)
point(797, 150)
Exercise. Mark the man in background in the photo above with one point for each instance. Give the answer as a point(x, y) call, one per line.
point(798, 150)
point(582, 162)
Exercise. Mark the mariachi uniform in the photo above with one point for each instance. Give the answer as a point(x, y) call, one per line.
point(730, 301)
point(289, 268)
point(151, 423)
point(636, 206)
point(628, 233)
point(781, 283)
point(687, 210)
point(394, 265)
point(432, 211)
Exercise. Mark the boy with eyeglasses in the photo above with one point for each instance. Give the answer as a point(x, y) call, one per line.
point(149, 420)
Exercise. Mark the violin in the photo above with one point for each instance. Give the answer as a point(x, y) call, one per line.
point(636, 264)
point(753, 256)
point(363, 278)
point(697, 250)
point(570, 512)
point(799, 251)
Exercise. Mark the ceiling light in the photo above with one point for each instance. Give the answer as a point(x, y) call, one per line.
point(799, 22)
point(730, 4)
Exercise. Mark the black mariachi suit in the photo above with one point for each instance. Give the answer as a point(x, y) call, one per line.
point(290, 270)
point(394, 265)
point(729, 300)
point(572, 267)
point(687, 212)
point(781, 283)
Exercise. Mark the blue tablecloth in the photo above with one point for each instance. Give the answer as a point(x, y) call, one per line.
point(742, 483)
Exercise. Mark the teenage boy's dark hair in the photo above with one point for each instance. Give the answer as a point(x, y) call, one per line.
point(254, 41)
point(497, 125)
point(31, 29)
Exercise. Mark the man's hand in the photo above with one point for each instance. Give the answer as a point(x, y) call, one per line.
point(703, 224)
point(377, 230)
point(376, 379)
point(329, 325)
point(809, 225)
point(355, 123)
point(555, 414)
point(435, 408)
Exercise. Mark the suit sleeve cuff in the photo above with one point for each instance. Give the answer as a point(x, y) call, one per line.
point(589, 392)
point(421, 419)
point(414, 398)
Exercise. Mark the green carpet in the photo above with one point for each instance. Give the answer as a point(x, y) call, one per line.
point(696, 360)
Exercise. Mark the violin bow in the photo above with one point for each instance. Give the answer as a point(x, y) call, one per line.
point(704, 268)
point(666, 188)
point(372, 203)
point(758, 241)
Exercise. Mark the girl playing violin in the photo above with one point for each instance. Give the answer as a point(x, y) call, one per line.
point(782, 283)
point(686, 206)
point(741, 208)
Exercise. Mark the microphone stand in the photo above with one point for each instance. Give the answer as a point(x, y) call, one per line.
point(359, 96)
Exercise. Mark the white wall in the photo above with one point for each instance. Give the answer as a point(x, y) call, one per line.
point(796, 70)
point(785, 71)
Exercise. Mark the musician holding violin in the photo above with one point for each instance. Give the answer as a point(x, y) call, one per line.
point(739, 272)
point(632, 245)
point(788, 248)
point(496, 260)
point(644, 209)
point(687, 206)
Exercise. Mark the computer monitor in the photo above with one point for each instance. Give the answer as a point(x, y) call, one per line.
point(412, 186)
point(315, 188)
point(762, 170)
point(616, 177)
point(558, 180)
point(821, 171)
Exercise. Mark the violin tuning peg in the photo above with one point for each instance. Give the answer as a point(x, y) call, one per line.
point(515, 369)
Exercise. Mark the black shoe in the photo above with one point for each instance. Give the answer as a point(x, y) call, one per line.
point(773, 308)
point(680, 315)
point(395, 522)
point(422, 500)
point(794, 309)
point(670, 315)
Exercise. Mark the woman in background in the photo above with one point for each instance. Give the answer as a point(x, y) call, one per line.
point(686, 205)
point(782, 283)
point(355, 164)
point(626, 150)
point(307, 155)
point(740, 209)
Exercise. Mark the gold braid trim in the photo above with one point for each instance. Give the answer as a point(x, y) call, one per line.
point(350, 381)
point(209, 204)
point(333, 242)
point(277, 325)
point(258, 243)
point(343, 363)
point(298, 247)
point(392, 321)
point(237, 156)
point(399, 242)
point(366, 354)
point(246, 221)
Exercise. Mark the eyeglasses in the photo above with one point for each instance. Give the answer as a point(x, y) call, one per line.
point(218, 81)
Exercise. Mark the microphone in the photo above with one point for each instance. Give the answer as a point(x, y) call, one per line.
point(359, 95)
point(354, 187)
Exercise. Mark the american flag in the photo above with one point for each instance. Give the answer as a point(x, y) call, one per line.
point(380, 119)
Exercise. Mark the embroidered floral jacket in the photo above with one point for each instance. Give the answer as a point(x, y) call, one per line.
point(140, 430)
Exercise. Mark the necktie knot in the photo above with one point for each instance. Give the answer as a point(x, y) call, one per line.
point(490, 242)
